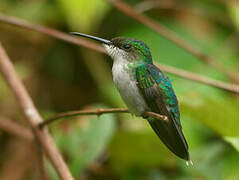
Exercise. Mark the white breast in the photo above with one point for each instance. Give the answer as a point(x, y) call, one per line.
point(128, 88)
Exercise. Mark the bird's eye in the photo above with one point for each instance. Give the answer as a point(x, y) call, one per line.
point(126, 46)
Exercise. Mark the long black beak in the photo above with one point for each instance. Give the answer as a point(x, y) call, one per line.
point(105, 41)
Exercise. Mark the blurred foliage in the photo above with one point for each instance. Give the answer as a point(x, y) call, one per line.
point(61, 77)
point(84, 140)
point(91, 13)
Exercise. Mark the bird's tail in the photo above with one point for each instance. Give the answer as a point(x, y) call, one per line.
point(171, 135)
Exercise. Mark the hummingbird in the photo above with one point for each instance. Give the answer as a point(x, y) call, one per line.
point(145, 88)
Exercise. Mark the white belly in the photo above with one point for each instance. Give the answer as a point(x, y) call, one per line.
point(128, 89)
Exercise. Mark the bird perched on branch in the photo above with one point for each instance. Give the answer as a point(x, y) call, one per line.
point(145, 88)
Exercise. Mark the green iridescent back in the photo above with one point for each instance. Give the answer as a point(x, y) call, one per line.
point(164, 84)
point(148, 76)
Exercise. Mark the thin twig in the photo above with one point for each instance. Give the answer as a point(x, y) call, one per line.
point(91, 45)
point(15, 129)
point(96, 112)
point(51, 32)
point(203, 79)
point(41, 171)
point(160, 29)
point(32, 115)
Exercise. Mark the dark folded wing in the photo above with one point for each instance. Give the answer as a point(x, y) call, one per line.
point(159, 96)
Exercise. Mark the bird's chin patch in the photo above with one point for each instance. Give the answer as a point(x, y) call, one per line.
point(109, 49)
point(114, 52)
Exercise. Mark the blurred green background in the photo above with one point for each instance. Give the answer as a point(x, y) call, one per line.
point(62, 77)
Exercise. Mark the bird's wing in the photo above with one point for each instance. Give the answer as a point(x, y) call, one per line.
point(165, 88)
point(160, 98)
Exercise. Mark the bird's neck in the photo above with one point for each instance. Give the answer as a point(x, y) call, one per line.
point(131, 64)
point(122, 67)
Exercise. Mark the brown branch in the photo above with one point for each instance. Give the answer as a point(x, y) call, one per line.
point(160, 29)
point(15, 129)
point(91, 45)
point(51, 32)
point(202, 79)
point(32, 115)
point(96, 112)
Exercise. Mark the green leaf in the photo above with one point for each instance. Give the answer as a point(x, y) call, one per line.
point(84, 140)
point(233, 8)
point(204, 159)
point(220, 114)
point(36, 11)
point(233, 141)
point(82, 14)
point(138, 149)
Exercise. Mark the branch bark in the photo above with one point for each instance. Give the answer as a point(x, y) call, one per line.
point(97, 112)
point(15, 129)
point(32, 115)
point(50, 32)
point(96, 47)
point(160, 29)
point(200, 78)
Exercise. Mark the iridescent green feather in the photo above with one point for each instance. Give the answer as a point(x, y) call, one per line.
point(148, 76)
point(157, 91)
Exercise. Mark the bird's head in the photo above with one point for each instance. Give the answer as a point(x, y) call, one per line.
point(132, 50)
